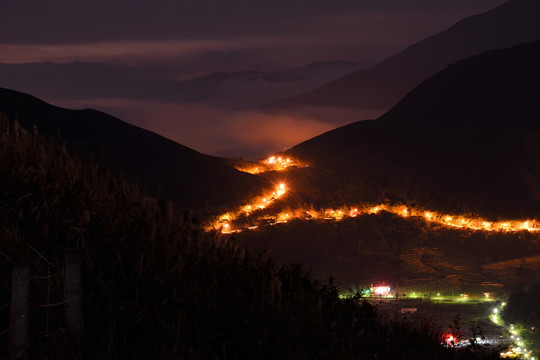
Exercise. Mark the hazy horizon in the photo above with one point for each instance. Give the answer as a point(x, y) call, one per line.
point(128, 61)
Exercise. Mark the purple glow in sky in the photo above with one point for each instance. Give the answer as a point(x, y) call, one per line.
point(134, 59)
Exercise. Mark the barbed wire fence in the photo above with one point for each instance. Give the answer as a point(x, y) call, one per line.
point(42, 301)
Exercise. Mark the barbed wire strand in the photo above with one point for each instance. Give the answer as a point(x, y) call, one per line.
point(16, 213)
point(5, 306)
point(47, 287)
point(7, 257)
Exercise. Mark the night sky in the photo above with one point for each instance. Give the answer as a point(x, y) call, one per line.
point(127, 58)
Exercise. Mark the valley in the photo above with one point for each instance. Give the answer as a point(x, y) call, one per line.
point(429, 250)
point(453, 270)
point(396, 217)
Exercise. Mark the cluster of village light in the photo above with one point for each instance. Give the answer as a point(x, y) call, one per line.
point(518, 348)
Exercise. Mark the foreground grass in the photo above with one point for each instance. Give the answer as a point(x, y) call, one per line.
point(157, 286)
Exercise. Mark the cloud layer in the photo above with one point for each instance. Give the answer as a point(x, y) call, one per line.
point(222, 132)
point(127, 58)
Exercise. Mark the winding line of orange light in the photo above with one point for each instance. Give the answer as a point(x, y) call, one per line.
point(272, 163)
point(224, 222)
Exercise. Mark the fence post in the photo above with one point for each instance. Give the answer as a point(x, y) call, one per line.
point(73, 299)
point(18, 330)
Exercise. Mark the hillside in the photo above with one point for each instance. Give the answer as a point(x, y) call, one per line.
point(382, 86)
point(391, 198)
point(464, 140)
point(165, 168)
point(150, 274)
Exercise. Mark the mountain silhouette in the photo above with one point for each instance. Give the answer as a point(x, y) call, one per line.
point(467, 139)
point(164, 168)
point(382, 86)
point(245, 89)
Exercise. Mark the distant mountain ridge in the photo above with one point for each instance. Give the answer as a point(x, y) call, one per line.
point(243, 89)
point(163, 167)
point(467, 139)
point(492, 91)
point(382, 86)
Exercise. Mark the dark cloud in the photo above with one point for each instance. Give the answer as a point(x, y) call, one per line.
point(135, 59)
point(60, 21)
point(223, 35)
point(166, 83)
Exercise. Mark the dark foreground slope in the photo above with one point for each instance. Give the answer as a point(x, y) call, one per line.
point(466, 139)
point(165, 168)
point(155, 286)
point(382, 86)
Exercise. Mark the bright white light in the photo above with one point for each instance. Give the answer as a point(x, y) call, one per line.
point(381, 290)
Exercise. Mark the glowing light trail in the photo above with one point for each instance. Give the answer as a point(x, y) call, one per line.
point(225, 222)
point(272, 163)
point(338, 214)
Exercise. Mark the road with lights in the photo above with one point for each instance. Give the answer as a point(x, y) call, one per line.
point(445, 311)
point(519, 348)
